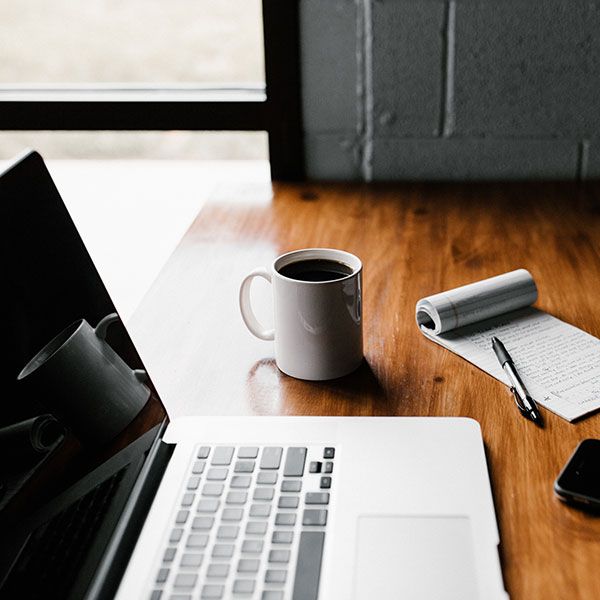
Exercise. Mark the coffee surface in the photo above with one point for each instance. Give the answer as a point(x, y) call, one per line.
point(316, 269)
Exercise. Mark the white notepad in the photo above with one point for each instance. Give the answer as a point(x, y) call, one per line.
point(559, 363)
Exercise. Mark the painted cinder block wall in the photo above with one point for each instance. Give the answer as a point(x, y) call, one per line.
point(451, 90)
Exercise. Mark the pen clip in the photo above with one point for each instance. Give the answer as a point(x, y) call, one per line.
point(519, 402)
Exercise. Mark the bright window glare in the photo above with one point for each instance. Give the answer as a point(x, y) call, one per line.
point(186, 145)
point(131, 41)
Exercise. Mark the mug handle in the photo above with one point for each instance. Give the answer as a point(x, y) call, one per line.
point(101, 331)
point(104, 324)
point(246, 308)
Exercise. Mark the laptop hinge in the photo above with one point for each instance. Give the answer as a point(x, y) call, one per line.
point(112, 566)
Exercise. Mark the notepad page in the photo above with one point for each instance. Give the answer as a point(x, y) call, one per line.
point(559, 363)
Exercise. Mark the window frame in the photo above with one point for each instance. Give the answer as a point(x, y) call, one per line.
point(274, 107)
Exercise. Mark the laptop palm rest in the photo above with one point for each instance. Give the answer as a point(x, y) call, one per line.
point(415, 558)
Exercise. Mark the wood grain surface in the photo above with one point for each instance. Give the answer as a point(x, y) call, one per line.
point(414, 240)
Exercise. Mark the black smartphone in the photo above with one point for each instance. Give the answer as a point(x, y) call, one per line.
point(579, 481)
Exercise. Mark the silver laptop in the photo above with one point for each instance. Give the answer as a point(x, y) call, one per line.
point(237, 508)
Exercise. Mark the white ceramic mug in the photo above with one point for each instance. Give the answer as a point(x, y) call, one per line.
point(318, 324)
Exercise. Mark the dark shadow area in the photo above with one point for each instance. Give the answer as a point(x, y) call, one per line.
point(359, 384)
point(588, 510)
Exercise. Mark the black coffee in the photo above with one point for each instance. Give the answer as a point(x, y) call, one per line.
point(316, 269)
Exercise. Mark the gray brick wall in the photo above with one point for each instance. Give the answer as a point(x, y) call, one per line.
point(451, 89)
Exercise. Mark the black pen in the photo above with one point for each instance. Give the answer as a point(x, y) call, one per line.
point(525, 403)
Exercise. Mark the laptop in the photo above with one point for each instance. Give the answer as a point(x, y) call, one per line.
point(240, 508)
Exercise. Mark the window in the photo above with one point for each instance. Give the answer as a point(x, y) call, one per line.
point(152, 65)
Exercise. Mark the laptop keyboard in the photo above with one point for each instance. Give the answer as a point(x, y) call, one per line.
point(56, 550)
point(250, 524)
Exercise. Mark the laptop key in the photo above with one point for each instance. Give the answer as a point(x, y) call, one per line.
point(208, 505)
point(232, 514)
point(197, 540)
point(187, 499)
point(176, 535)
point(162, 575)
point(218, 570)
point(182, 517)
point(294, 462)
point(328, 467)
point(282, 537)
point(202, 523)
point(256, 528)
point(271, 457)
point(288, 502)
point(217, 474)
point(263, 493)
point(248, 452)
point(285, 519)
point(315, 467)
point(241, 481)
point(314, 517)
point(325, 483)
point(212, 592)
point(248, 565)
point(243, 586)
point(185, 580)
point(156, 595)
point(203, 452)
point(169, 554)
point(252, 546)
point(198, 467)
point(275, 576)
point(266, 477)
point(228, 532)
point(291, 485)
point(222, 455)
point(212, 489)
point(260, 510)
point(191, 560)
point(308, 565)
point(329, 453)
point(244, 466)
point(222, 550)
point(236, 497)
point(279, 556)
point(272, 595)
point(193, 483)
point(317, 498)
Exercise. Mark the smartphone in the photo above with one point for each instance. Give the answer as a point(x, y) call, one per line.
point(579, 481)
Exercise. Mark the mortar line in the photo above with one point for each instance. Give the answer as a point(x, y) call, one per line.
point(360, 86)
point(446, 123)
point(367, 90)
point(583, 156)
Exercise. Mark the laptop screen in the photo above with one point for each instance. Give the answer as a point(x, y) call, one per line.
point(89, 379)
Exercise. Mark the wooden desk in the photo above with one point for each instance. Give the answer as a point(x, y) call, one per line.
point(414, 240)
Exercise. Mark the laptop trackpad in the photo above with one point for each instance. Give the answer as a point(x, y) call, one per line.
point(415, 558)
